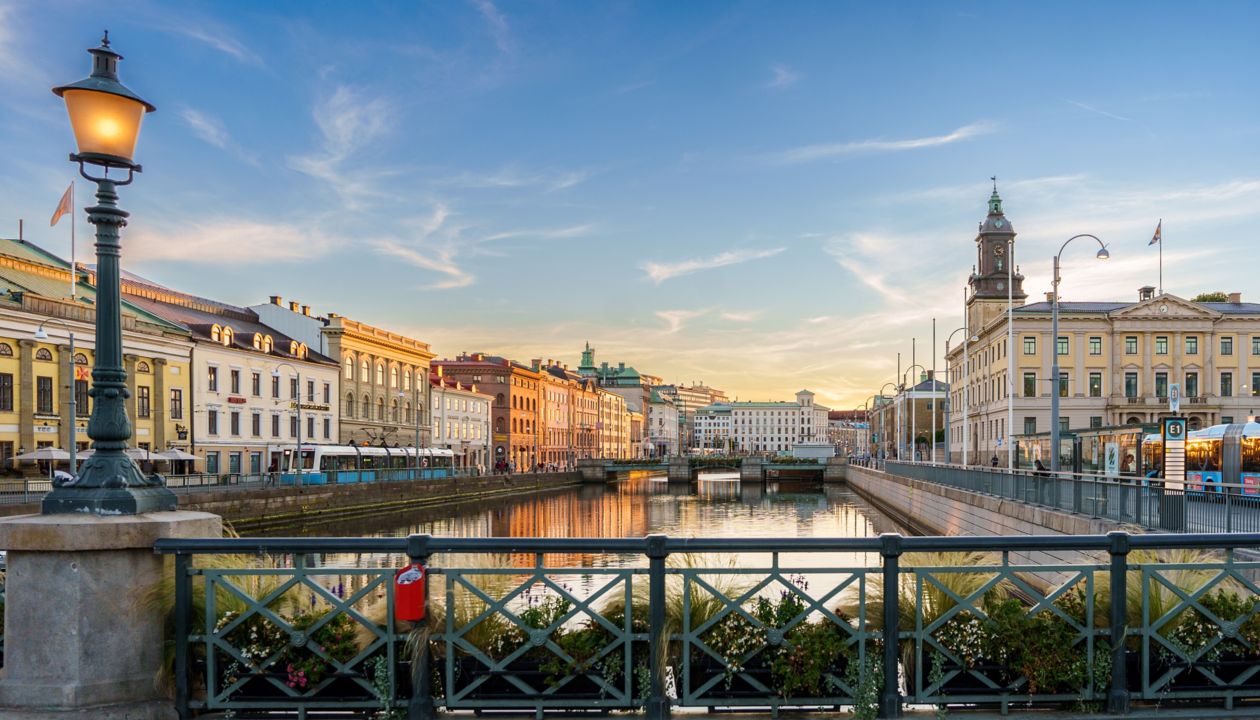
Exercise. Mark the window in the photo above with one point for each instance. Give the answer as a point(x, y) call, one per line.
point(212, 379)
point(6, 392)
point(1255, 383)
point(257, 341)
point(212, 422)
point(235, 381)
point(348, 411)
point(1061, 346)
point(275, 425)
point(364, 371)
point(234, 422)
point(1255, 345)
point(1030, 346)
point(44, 395)
point(293, 388)
point(1095, 384)
point(1130, 385)
point(255, 424)
point(1227, 419)
point(255, 384)
point(275, 386)
point(212, 462)
point(43, 354)
point(1063, 384)
point(143, 402)
point(310, 391)
point(1192, 384)
point(293, 426)
point(1227, 345)
point(349, 368)
point(310, 426)
point(327, 428)
point(393, 377)
point(380, 373)
point(1095, 421)
point(327, 393)
point(1095, 346)
point(177, 404)
point(1064, 424)
point(1130, 344)
point(6, 350)
point(1161, 344)
point(1030, 425)
point(1227, 384)
point(1161, 384)
point(1192, 344)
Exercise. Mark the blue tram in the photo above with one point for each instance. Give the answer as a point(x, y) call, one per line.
point(332, 464)
point(1217, 457)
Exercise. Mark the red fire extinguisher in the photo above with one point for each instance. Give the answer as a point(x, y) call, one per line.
point(409, 593)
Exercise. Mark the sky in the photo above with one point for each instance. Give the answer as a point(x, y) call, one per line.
point(760, 196)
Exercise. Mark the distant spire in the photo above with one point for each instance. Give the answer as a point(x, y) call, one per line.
point(995, 201)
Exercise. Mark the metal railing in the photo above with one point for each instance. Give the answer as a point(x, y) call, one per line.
point(544, 624)
point(1147, 502)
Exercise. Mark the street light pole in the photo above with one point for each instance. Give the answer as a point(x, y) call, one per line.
point(1102, 254)
point(40, 334)
point(105, 117)
point(1010, 353)
point(297, 404)
point(914, 427)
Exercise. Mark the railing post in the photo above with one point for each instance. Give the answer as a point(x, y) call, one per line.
point(890, 549)
point(421, 706)
point(658, 703)
point(1118, 694)
point(183, 613)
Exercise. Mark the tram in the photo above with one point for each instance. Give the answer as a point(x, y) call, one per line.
point(339, 464)
point(1217, 456)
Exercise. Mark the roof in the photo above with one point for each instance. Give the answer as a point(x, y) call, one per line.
point(927, 386)
point(1070, 307)
point(1228, 308)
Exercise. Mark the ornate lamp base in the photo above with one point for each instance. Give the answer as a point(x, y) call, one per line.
point(111, 484)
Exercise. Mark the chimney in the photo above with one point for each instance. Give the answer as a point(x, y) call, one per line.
point(1235, 298)
point(332, 315)
point(293, 306)
point(1146, 292)
point(275, 300)
point(306, 310)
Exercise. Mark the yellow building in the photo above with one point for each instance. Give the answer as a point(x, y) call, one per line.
point(1118, 361)
point(36, 379)
point(614, 425)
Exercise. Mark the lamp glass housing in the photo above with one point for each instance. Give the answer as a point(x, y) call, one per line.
point(104, 123)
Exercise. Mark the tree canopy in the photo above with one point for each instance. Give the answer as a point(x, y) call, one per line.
point(1215, 296)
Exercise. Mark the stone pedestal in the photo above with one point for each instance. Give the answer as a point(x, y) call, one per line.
point(679, 470)
point(836, 470)
point(592, 470)
point(80, 640)
point(752, 470)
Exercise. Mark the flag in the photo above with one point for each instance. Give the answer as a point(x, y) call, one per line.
point(1159, 233)
point(65, 207)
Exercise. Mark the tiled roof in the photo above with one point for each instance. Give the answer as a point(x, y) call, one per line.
point(1070, 307)
point(1228, 308)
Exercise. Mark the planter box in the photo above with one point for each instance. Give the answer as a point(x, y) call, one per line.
point(704, 668)
point(1188, 678)
point(964, 683)
point(497, 685)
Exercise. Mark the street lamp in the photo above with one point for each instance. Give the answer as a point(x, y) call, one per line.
point(297, 405)
point(883, 419)
point(1054, 350)
point(415, 409)
point(105, 117)
point(914, 427)
point(41, 335)
point(948, 404)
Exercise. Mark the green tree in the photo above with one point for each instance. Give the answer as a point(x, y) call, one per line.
point(1216, 296)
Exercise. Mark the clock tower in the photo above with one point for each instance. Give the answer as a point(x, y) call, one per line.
point(995, 246)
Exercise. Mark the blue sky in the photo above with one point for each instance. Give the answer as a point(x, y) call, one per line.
point(762, 196)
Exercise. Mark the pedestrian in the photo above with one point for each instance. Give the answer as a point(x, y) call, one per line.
point(1041, 468)
point(994, 461)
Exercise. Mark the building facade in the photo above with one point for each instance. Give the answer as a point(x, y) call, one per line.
point(1119, 362)
point(461, 420)
point(662, 426)
point(256, 392)
point(849, 431)
point(767, 428)
point(713, 429)
point(614, 425)
point(687, 400)
point(38, 377)
point(514, 411)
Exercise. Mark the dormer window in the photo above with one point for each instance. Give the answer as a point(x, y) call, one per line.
point(227, 334)
point(293, 348)
point(268, 343)
point(257, 341)
point(216, 333)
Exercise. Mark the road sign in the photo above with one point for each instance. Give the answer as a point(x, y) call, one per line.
point(1174, 433)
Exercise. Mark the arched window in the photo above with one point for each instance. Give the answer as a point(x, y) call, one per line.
point(406, 380)
point(380, 408)
point(393, 411)
point(268, 343)
point(258, 341)
point(293, 348)
point(216, 333)
point(81, 359)
point(367, 407)
point(349, 368)
point(227, 336)
point(43, 354)
point(380, 373)
point(393, 377)
point(349, 409)
point(498, 400)
point(407, 413)
point(364, 371)
point(6, 350)
point(498, 425)
point(141, 367)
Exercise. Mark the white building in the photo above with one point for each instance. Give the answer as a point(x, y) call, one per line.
point(774, 427)
point(662, 426)
point(461, 420)
point(712, 428)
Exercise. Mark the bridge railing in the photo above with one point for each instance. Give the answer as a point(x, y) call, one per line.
point(1147, 502)
point(309, 626)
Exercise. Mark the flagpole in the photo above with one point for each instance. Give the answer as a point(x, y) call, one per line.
point(74, 273)
point(1161, 256)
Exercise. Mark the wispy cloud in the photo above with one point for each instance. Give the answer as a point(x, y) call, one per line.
point(861, 254)
point(497, 24)
point(440, 260)
point(563, 233)
point(432, 243)
point(632, 86)
point(675, 319)
point(783, 76)
point(220, 39)
point(211, 130)
point(549, 180)
point(233, 241)
point(825, 151)
point(1099, 111)
point(741, 317)
point(659, 272)
point(348, 120)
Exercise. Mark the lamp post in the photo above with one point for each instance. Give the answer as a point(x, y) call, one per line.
point(415, 409)
point(883, 419)
point(40, 334)
point(105, 117)
point(914, 427)
point(1102, 254)
point(297, 406)
point(948, 404)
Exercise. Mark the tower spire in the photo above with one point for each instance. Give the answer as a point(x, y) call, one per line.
point(995, 201)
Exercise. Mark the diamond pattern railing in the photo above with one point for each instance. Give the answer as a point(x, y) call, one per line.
point(552, 624)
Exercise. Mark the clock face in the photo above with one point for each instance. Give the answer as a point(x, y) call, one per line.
point(998, 223)
point(1163, 308)
point(1001, 286)
point(999, 250)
